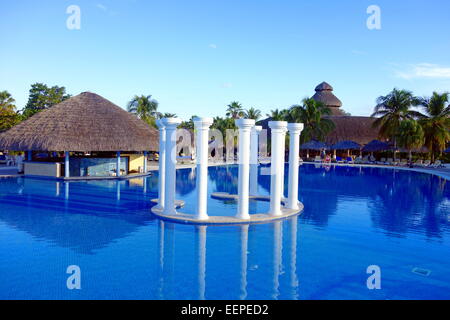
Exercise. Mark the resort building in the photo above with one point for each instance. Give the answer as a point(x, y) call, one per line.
point(347, 128)
point(84, 136)
point(358, 130)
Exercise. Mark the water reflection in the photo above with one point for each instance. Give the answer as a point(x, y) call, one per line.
point(88, 216)
point(171, 264)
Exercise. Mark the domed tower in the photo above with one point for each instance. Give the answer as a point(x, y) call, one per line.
point(324, 94)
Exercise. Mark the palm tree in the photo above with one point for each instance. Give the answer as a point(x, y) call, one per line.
point(436, 122)
point(311, 113)
point(6, 100)
point(277, 115)
point(410, 135)
point(145, 108)
point(166, 115)
point(392, 109)
point(235, 110)
point(8, 115)
point(253, 113)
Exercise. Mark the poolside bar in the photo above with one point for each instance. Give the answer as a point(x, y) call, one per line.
point(83, 137)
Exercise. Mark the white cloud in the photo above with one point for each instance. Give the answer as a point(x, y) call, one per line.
point(212, 46)
point(359, 52)
point(101, 6)
point(424, 71)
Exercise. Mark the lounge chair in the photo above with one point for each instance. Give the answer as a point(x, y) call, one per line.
point(418, 163)
point(437, 164)
point(403, 163)
point(427, 163)
point(359, 160)
point(365, 160)
point(382, 161)
point(339, 160)
point(372, 159)
point(317, 159)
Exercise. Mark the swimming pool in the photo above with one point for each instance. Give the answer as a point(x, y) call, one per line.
point(353, 218)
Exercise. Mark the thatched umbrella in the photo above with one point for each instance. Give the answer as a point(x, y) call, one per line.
point(84, 123)
point(346, 145)
point(313, 145)
point(376, 145)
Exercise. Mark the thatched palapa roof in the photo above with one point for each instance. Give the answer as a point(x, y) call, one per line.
point(313, 145)
point(86, 122)
point(355, 128)
point(324, 94)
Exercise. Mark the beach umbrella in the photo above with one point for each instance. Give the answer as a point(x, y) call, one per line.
point(376, 145)
point(313, 145)
point(346, 145)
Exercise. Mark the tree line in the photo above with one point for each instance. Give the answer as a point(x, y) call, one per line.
point(407, 121)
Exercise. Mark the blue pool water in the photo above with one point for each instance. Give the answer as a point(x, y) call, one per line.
point(353, 218)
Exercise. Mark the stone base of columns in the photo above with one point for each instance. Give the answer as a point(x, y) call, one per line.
point(178, 203)
point(229, 220)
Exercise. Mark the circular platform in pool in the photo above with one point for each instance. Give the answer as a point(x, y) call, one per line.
point(227, 220)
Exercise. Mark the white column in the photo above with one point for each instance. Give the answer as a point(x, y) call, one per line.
point(118, 164)
point(202, 136)
point(283, 162)
point(245, 126)
point(162, 163)
point(294, 145)
point(145, 162)
point(171, 125)
point(254, 151)
point(277, 158)
point(66, 164)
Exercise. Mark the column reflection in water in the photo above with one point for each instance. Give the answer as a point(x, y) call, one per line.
point(66, 187)
point(277, 257)
point(58, 188)
point(293, 257)
point(244, 261)
point(166, 241)
point(118, 190)
point(201, 249)
point(144, 185)
point(161, 259)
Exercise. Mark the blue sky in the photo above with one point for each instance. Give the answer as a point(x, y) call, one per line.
point(195, 57)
